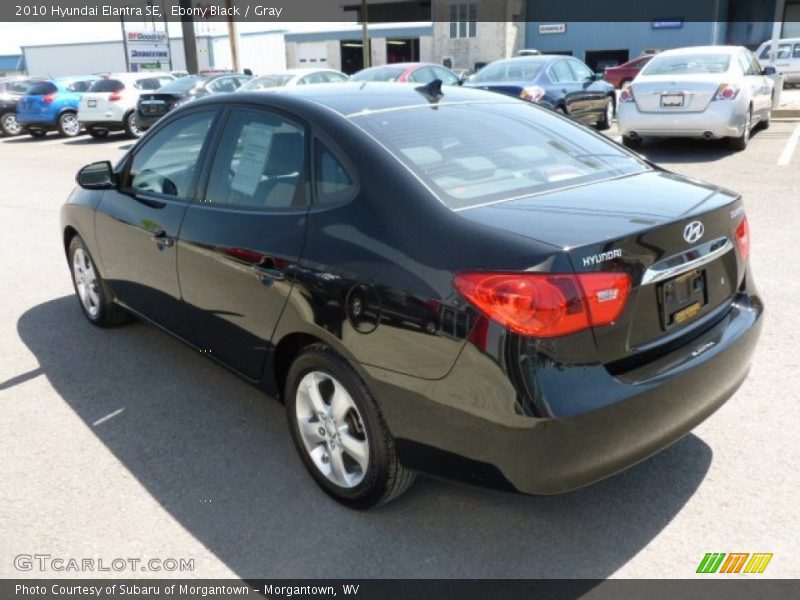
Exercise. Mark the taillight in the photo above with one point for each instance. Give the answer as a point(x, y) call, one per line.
point(743, 239)
point(626, 95)
point(532, 93)
point(726, 92)
point(48, 99)
point(115, 96)
point(546, 304)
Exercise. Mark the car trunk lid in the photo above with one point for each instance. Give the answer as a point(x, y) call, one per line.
point(157, 104)
point(510, 88)
point(675, 284)
point(676, 94)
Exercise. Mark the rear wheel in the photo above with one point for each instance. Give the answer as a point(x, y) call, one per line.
point(608, 116)
point(740, 143)
point(98, 134)
point(68, 125)
point(9, 125)
point(340, 433)
point(131, 126)
point(93, 294)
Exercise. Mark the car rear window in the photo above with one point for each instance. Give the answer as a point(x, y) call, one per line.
point(266, 82)
point(517, 69)
point(688, 64)
point(107, 85)
point(379, 74)
point(184, 84)
point(473, 154)
point(42, 88)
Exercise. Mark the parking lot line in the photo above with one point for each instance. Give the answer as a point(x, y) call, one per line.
point(789, 148)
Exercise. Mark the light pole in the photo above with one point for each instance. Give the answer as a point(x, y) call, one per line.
point(365, 36)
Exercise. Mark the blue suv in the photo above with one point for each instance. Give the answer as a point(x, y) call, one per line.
point(53, 105)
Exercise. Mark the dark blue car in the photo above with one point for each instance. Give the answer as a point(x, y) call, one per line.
point(561, 83)
point(53, 106)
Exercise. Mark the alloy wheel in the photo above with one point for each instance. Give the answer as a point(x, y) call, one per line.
point(332, 429)
point(70, 124)
point(10, 125)
point(86, 282)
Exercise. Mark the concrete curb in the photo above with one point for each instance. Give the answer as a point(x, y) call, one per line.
point(786, 113)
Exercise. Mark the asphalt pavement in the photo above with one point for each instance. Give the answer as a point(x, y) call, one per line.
point(126, 444)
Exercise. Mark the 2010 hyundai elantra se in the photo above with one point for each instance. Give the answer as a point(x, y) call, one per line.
point(457, 283)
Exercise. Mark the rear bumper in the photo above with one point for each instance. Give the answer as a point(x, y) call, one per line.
point(720, 120)
point(145, 122)
point(451, 427)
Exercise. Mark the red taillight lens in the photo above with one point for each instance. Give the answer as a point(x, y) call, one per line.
point(726, 92)
point(114, 97)
point(546, 304)
point(743, 239)
point(48, 99)
point(626, 95)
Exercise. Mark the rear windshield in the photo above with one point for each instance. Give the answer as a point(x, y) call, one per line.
point(184, 84)
point(688, 64)
point(107, 85)
point(42, 88)
point(379, 74)
point(508, 150)
point(266, 82)
point(509, 70)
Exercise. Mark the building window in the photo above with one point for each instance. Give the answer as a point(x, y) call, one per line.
point(462, 20)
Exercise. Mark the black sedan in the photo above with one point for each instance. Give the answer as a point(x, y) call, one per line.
point(561, 83)
point(463, 284)
point(11, 90)
point(151, 107)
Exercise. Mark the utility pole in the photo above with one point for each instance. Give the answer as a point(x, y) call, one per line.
point(233, 37)
point(125, 43)
point(189, 41)
point(366, 54)
point(166, 30)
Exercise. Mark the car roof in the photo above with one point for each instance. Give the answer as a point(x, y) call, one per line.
point(702, 50)
point(401, 65)
point(300, 71)
point(360, 97)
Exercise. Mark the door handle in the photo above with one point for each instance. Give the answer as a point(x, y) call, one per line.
point(163, 240)
point(269, 271)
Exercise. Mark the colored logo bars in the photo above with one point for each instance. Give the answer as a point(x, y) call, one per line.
point(735, 562)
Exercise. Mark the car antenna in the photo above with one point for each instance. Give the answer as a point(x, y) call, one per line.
point(431, 90)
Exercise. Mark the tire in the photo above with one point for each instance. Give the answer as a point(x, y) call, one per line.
point(9, 125)
point(68, 125)
point(624, 82)
point(740, 143)
point(608, 116)
point(377, 476)
point(92, 292)
point(631, 142)
point(766, 122)
point(131, 128)
point(36, 133)
point(98, 134)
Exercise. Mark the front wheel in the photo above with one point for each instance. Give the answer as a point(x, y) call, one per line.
point(68, 125)
point(340, 433)
point(9, 125)
point(93, 294)
point(608, 116)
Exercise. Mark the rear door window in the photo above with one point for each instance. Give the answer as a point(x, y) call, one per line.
point(260, 163)
point(561, 72)
point(333, 184)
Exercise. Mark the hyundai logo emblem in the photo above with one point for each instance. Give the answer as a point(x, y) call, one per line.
point(693, 231)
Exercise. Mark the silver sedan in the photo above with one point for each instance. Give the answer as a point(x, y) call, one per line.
point(707, 92)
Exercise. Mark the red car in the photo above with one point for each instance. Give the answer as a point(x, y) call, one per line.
point(414, 72)
point(623, 74)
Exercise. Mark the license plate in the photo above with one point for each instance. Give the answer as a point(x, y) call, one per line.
point(91, 103)
point(682, 298)
point(672, 100)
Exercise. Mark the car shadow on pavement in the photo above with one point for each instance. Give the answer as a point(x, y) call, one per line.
point(688, 150)
point(216, 454)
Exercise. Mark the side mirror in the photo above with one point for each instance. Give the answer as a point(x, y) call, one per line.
point(768, 71)
point(97, 176)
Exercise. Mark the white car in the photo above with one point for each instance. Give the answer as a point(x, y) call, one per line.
point(787, 60)
point(110, 104)
point(292, 77)
point(707, 92)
